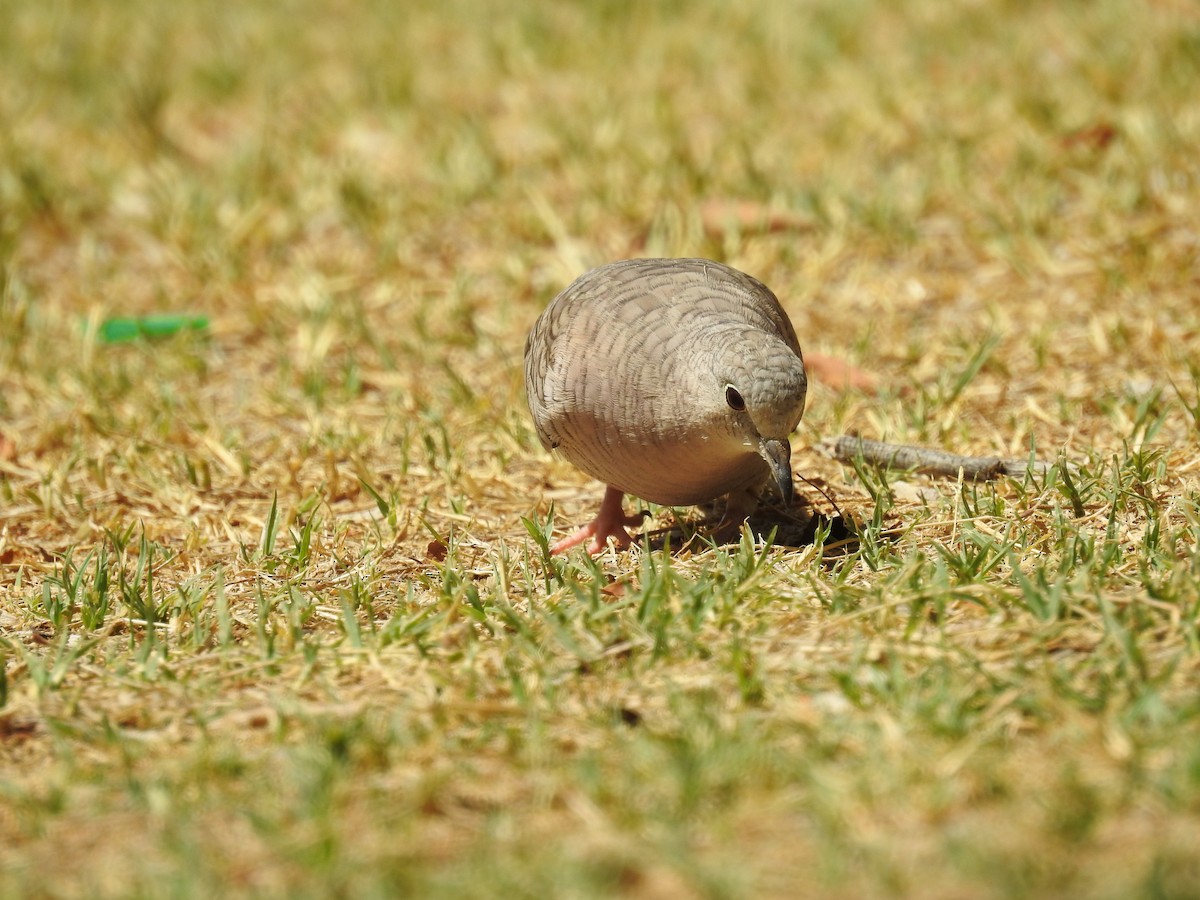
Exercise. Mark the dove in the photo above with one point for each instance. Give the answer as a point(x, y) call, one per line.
point(674, 380)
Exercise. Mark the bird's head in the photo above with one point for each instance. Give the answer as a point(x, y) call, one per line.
point(760, 389)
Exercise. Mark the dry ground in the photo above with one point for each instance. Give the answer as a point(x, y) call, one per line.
point(275, 616)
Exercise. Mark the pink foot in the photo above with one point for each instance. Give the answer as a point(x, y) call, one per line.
point(610, 522)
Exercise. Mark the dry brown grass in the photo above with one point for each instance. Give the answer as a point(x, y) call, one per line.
point(383, 686)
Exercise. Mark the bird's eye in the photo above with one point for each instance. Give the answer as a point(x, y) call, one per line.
point(733, 398)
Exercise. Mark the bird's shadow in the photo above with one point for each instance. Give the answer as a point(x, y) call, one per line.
point(795, 526)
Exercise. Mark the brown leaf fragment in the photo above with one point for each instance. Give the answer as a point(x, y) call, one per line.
point(838, 373)
point(18, 727)
point(614, 589)
point(720, 215)
point(1093, 137)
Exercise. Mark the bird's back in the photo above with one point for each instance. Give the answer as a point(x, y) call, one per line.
point(638, 290)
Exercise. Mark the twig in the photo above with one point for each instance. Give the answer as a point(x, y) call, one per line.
point(928, 460)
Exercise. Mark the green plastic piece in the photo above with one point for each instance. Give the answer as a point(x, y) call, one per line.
point(113, 331)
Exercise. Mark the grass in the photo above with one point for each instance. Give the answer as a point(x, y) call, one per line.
point(276, 612)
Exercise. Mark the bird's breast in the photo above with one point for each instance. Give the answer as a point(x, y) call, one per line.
point(673, 467)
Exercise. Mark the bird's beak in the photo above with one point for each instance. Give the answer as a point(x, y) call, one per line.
point(778, 455)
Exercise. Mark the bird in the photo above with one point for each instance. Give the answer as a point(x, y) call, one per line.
point(674, 380)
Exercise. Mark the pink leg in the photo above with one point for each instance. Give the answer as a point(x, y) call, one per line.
point(610, 522)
